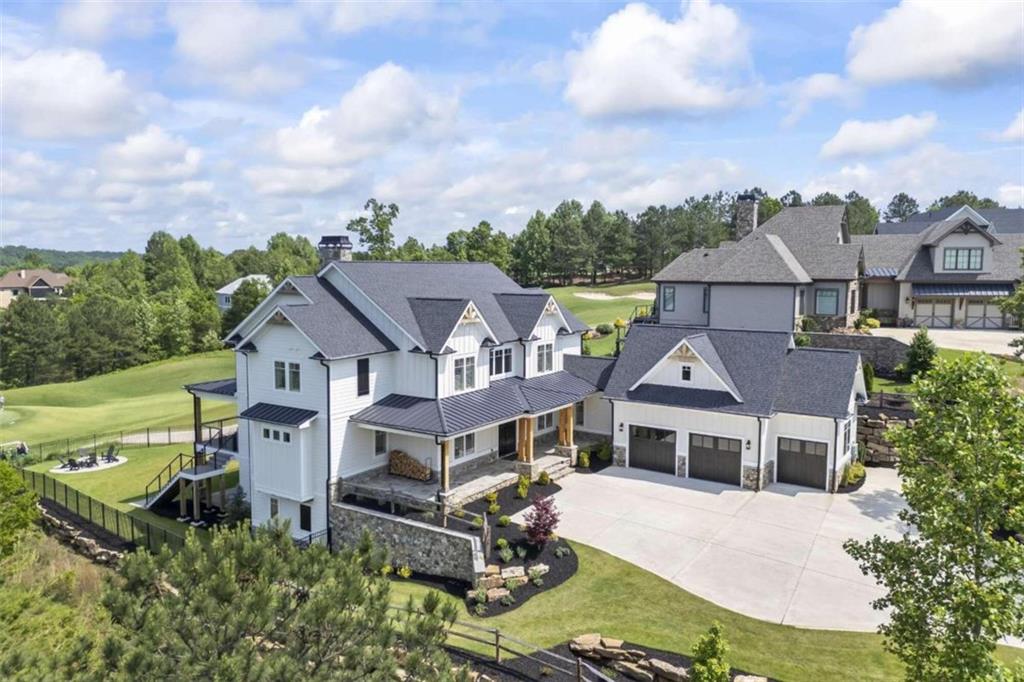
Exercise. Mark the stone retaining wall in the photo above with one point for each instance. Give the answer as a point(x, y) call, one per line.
point(874, 448)
point(882, 352)
point(72, 536)
point(420, 546)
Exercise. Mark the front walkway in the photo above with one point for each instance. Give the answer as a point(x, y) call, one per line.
point(994, 341)
point(776, 555)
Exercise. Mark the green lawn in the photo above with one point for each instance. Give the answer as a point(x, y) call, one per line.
point(148, 395)
point(1013, 368)
point(617, 599)
point(597, 312)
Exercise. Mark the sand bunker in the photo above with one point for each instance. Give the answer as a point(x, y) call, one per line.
point(598, 296)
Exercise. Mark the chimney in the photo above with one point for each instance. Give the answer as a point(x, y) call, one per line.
point(21, 274)
point(746, 215)
point(334, 247)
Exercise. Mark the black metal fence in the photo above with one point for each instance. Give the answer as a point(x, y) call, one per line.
point(129, 528)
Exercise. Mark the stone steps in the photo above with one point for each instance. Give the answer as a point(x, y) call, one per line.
point(560, 470)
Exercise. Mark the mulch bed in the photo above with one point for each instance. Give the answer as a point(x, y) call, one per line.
point(561, 568)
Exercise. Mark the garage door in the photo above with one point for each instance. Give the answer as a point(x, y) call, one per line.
point(803, 462)
point(715, 459)
point(653, 449)
point(983, 315)
point(934, 313)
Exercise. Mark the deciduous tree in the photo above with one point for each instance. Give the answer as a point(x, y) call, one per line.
point(963, 197)
point(18, 510)
point(375, 231)
point(861, 216)
point(900, 208)
point(1014, 305)
point(826, 199)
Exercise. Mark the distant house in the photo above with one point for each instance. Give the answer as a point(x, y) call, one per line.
point(225, 292)
point(38, 283)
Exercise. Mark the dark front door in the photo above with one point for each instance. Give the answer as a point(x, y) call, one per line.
point(803, 462)
point(507, 438)
point(652, 449)
point(713, 458)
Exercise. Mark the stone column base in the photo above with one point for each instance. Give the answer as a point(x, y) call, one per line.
point(681, 466)
point(751, 477)
point(569, 451)
point(530, 469)
point(619, 455)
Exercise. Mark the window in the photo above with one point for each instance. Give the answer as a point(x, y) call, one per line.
point(707, 299)
point(847, 436)
point(380, 443)
point(579, 413)
point(501, 361)
point(278, 435)
point(686, 373)
point(363, 376)
point(287, 378)
point(465, 445)
point(545, 421)
point(266, 433)
point(279, 377)
point(545, 357)
point(853, 301)
point(826, 302)
point(273, 507)
point(227, 300)
point(962, 259)
point(286, 437)
point(465, 374)
point(800, 303)
point(668, 299)
point(294, 377)
point(305, 518)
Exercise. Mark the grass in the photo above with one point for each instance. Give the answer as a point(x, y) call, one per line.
point(594, 312)
point(1013, 368)
point(148, 395)
point(618, 599)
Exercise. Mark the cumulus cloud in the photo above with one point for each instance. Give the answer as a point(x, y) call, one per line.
point(1011, 195)
point(285, 181)
point(352, 17)
point(95, 21)
point(868, 138)
point(65, 94)
point(151, 156)
point(639, 63)
point(804, 92)
point(386, 105)
point(945, 42)
point(233, 43)
point(1015, 131)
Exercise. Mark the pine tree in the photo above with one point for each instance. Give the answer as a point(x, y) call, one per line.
point(33, 340)
point(921, 354)
point(900, 208)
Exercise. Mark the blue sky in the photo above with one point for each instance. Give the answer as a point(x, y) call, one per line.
point(235, 120)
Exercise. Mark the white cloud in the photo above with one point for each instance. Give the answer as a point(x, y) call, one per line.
point(386, 105)
point(285, 181)
point(97, 20)
point(352, 17)
point(151, 156)
point(639, 63)
point(946, 42)
point(233, 43)
point(1015, 131)
point(867, 138)
point(670, 186)
point(804, 92)
point(1011, 195)
point(65, 94)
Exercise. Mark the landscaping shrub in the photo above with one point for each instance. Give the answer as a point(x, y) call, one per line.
point(709, 664)
point(405, 572)
point(491, 497)
point(583, 459)
point(480, 595)
point(459, 512)
point(508, 600)
point(854, 473)
point(809, 324)
point(541, 520)
point(521, 552)
point(523, 488)
point(493, 508)
point(921, 354)
point(237, 508)
point(562, 551)
point(869, 377)
point(502, 543)
point(511, 585)
point(604, 453)
point(478, 522)
point(801, 340)
point(544, 478)
point(504, 520)
point(605, 328)
point(506, 554)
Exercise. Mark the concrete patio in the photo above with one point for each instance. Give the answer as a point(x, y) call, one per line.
point(776, 555)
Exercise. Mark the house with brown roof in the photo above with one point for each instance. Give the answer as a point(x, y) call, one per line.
point(36, 283)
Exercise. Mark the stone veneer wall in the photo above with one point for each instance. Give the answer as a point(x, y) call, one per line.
point(874, 448)
point(420, 546)
point(619, 455)
point(680, 465)
point(882, 352)
point(752, 476)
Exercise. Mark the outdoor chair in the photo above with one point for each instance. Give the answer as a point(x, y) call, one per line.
point(111, 455)
point(92, 461)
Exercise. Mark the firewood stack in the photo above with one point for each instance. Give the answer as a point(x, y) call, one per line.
point(401, 464)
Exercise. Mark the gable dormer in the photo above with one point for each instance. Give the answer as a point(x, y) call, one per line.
point(961, 244)
point(693, 363)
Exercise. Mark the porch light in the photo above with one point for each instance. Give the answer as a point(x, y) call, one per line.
point(620, 427)
point(748, 444)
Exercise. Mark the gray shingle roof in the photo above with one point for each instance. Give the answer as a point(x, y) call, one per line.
point(1005, 265)
point(702, 346)
point(278, 414)
point(758, 258)
point(829, 261)
point(392, 285)
point(889, 251)
point(522, 310)
point(502, 400)
point(225, 387)
point(593, 369)
point(807, 224)
point(935, 232)
point(332, 323)
point(1004, 221)
point(437, 318)
point(767, 372)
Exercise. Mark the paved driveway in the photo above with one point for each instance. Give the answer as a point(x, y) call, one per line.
point(995, 341)
point(775, 555)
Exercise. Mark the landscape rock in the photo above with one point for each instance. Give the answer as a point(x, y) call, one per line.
point(666, 671)
point(632, 671)
point(518, 581)
point(609, 643)
point(496, 593)
point(749, 678)
point(539, 569)
point(492, 569)
point(585, 644)
point(513, 572)
point(489, 581)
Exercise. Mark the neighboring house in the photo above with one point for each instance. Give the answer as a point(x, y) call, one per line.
point(225, 293)
point(39, 283)
point(946, 273)
point(459, 369)
point(1002, 220)
point(798, 264)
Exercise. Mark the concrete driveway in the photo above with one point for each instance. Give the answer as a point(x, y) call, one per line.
point(775, 555)
point(994, 341)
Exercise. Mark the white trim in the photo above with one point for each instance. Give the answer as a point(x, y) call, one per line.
point(665, 357)
point(334, 264)
point(480, 316)
point(465, 389)
point(266, 319)
point(263, 303)
point(829, 451)
point(558, 309)
point(490, 356)
point(970, 214)
point(675, 463)
point(741, 439)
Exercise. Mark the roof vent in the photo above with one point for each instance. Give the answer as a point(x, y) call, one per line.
point(334, 247)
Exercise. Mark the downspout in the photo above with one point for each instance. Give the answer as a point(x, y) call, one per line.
point(327, 483)
point(835, 455)
point(248, 431)
point(760, 456)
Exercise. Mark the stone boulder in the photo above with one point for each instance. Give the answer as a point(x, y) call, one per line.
point(513, 572)
point(496, 593)
point(632, 670)
point(666, 671)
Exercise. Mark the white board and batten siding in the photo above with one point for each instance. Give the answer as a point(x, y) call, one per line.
point(669, 372)
point(546, 332)
point(597, 415)
point(801, 427)
point(465, 340)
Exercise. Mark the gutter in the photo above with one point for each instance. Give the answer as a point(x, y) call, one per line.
point(835, 454)
point(760, 455)
point(327, 483)
point(248, 427)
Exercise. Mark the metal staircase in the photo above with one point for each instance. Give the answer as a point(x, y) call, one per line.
point(210, 459)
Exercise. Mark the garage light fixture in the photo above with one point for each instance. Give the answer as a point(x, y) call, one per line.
point(620, 427)
point(748, 444)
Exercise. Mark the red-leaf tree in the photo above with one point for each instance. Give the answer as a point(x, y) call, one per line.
point(541, 520)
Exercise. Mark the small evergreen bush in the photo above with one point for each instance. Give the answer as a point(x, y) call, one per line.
point(921, 354)
point(504, 520)
point(709, 664)
point(544, 478)
point(869, 377)
point(583, 459)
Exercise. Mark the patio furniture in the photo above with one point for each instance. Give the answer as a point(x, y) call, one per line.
point(111, 455)
point(70, 464)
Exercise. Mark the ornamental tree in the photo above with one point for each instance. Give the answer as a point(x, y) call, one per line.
point(954, 584)
point(541, 520)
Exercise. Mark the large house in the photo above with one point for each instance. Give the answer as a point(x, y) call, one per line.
point(803, 263)
point(451, 373)
point(225, 293)
point(38, 283)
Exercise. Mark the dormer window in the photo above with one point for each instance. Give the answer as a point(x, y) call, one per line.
point(501, 361)
point(465, 374)
point(686, 373)
point(545, 357)
point(962, 259)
